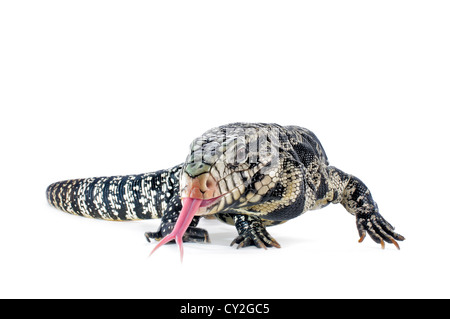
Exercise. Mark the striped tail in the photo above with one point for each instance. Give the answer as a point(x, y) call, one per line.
point(130, 197)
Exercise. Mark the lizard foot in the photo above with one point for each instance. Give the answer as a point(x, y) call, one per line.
point(192, 234)
point(378, 228)
point(252, 233)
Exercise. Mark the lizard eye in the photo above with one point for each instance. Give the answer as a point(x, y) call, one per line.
point(236, 155)
point(241, 154)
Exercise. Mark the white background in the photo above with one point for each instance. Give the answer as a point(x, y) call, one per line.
point(95, 88)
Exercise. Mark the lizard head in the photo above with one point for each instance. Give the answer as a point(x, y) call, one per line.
point(231, 166)
point(225, 165)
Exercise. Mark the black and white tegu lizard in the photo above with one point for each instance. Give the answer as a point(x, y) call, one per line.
point(247, 175)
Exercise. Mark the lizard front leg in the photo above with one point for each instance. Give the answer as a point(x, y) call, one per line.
point(168, 221)
point(357, 200)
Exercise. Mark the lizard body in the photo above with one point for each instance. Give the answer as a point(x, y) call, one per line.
point(250, 175)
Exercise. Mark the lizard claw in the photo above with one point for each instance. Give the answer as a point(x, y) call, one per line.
point(192, 235)
point(378, 228)
point(395, 243)
point(254, 234)
point(361, 239)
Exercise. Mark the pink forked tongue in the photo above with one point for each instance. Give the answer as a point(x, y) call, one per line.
point(190, 207)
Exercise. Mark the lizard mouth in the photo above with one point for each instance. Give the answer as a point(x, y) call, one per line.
point(198, 194)
point(190, 208)
point(206, 203)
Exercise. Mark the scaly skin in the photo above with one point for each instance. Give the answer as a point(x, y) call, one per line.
point(247, 175)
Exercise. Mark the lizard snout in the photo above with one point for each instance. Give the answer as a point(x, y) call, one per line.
point(202, 187)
